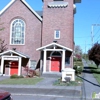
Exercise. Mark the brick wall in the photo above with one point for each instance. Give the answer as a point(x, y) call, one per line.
point(32, 29)
point(58, 19)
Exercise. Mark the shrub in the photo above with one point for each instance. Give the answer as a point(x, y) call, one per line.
point(37, 72)
point(15, 76)
point(30, 72)
point(75, 68)
point(78, 69)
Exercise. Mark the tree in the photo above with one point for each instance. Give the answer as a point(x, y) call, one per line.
point(85, 56)
point(94, 54)
point(2, 45)
point(1, 27)
point(77, 53)
point(78, 50)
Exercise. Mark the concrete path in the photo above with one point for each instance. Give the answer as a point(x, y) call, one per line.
point(3, 77)
point(90, 84)
point(45, 88)
point(46, 83)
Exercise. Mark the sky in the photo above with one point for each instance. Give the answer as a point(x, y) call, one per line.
point(86, 21)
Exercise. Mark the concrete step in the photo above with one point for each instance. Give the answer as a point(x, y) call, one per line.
point(52, 75)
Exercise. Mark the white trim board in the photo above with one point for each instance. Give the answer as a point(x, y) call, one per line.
point(27, 5)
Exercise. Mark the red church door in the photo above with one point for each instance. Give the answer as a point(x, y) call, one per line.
point(14, 68)
point(56, 64)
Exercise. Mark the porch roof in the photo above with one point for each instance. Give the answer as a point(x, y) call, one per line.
point(49, 46)
point(9, 52)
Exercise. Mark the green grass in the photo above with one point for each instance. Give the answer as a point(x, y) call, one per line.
point(21, 81)
point(96, 72)
point(79, 63)
point(78, 70)
point(71, 83)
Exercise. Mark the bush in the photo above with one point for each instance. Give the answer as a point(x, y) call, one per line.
point(75, 68)
point(78, 69)
point(15, 76)
point(37, 71)
point(30, 72)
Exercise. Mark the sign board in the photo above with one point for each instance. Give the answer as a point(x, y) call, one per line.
point(11, 58)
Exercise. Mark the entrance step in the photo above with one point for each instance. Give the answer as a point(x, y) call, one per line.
point(52, 74)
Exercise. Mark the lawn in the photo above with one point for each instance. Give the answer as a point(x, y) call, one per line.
point(21, 81)
point(79, 63)
point(96, 72)
point(77, 82)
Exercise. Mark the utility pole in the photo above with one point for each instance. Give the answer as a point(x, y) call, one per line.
point(92, 33)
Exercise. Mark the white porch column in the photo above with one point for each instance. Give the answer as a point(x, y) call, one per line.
point(2, 63)
point(44, 62)
point(63, 59)
point(19, 66)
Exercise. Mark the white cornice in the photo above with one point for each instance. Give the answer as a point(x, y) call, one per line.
point(54, 44)
point(14, 52)
point(7, 6)
point(12, 1)
point(31, 9)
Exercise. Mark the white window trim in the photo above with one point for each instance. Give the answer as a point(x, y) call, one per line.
point(30, 63)
point(55, 34)
point(11, 32)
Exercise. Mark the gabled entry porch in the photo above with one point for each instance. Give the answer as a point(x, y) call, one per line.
point(54, 58)
point(11, 62)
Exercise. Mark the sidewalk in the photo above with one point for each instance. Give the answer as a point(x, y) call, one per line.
point(86, 89)
point(46, 87)
point(91, 85)
point(46, 83)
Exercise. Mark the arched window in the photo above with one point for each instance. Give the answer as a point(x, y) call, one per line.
point(17, 32)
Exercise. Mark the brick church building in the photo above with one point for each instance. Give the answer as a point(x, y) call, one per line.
point(38, 39)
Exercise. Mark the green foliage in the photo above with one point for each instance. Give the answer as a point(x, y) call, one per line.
point(15, 76)
point(78, 50)
point(94, 54)
point(96, 72)
point(78, 69)
point(2, 46)
point(22, 81)
point(71, 83)
point(1, 26)
point(30, 72)
point(85, 56)
point(78, 66)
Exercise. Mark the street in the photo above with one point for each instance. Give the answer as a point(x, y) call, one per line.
point(43, 94)
point(42, 97)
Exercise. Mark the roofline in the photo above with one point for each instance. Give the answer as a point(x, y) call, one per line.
point(75, 1)
point(7, 6)
point(12, 1)
point(14, 52)
point(39, 49)
point(31, 9)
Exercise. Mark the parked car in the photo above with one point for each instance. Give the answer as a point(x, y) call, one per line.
point(5, 95)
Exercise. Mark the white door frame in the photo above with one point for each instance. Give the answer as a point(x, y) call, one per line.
point(13, 58)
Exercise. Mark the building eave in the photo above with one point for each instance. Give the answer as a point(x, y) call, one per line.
point(25, 3)
point(32, 9)
point(75, 1)
point(52, 44)
point(7, 6)
point(14, 52)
